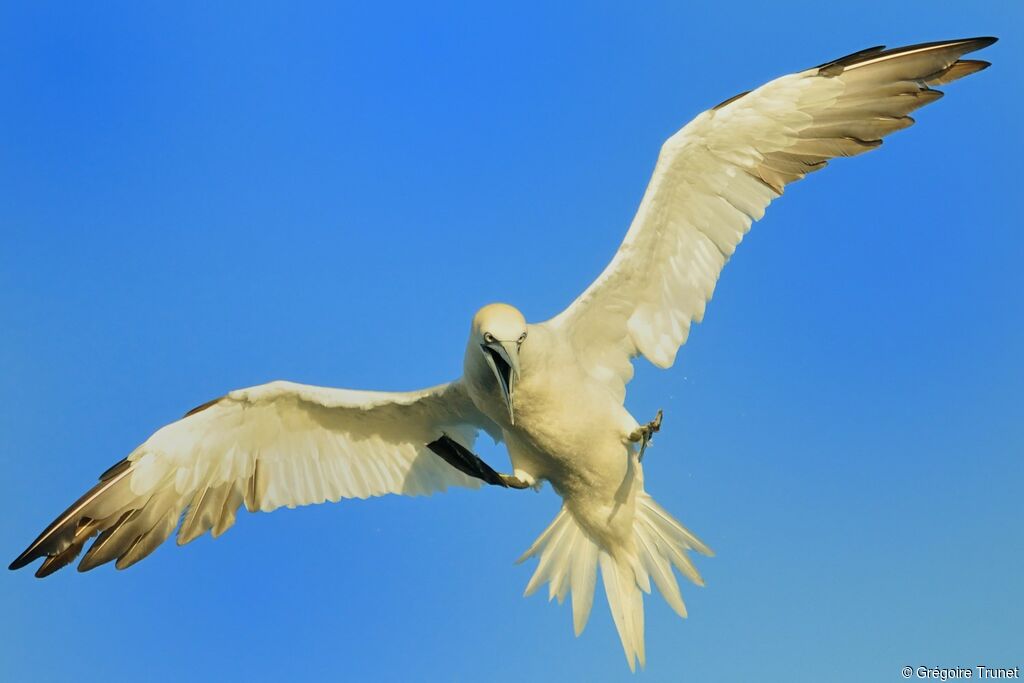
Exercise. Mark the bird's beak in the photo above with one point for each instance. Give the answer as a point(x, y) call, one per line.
point(503, 357)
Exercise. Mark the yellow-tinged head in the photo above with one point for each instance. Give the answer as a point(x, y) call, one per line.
point(500, 330)
point(499, 322)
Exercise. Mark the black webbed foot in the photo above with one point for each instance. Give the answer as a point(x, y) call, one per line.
point(468, 462)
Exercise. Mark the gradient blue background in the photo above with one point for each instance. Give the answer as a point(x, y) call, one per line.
point(196, 199)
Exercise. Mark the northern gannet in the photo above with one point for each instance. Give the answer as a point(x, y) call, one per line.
point(552, 391)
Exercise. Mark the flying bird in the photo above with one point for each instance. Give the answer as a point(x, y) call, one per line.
point(552, 391)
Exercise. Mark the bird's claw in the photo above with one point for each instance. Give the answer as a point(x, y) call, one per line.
point(644, 433)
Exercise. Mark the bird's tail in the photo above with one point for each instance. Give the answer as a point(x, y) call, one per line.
point(569, 557)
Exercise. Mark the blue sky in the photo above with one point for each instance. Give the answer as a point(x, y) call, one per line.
point(197, 199)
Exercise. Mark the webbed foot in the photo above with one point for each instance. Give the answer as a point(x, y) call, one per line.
point(468, 462)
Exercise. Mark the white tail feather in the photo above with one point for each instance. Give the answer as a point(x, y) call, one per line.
point(627, 606)
point(569, 557)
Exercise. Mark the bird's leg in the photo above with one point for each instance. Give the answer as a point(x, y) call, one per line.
point(645, 433)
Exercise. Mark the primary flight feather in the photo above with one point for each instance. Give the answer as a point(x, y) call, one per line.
point(552, 391)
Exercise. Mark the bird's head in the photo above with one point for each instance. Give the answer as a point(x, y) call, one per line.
point(499, 331)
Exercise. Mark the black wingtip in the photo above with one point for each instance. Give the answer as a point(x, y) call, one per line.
point(200, 408)
point(27, 557)
point(971, 44)
point(852, 57)
point(975, 43)
point(975, 65)
point(46, 568)
point(19, 563)
point(966, 45)
point(43, 545)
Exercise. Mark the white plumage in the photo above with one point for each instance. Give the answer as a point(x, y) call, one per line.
point(553, 392)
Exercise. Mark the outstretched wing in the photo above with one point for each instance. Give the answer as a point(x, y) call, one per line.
point(719, 173)
point(278, 444)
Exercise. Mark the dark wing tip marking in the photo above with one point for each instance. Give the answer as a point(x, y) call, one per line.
point(976, 43)
point(957, 70)
point(837, 66)
point(45, 546)
point(19, 562)
point(116, 469)
point(204, 406)
point(725, 103)
point(84, 530)
point(465, 460)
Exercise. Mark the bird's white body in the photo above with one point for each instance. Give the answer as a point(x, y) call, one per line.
point(553, 392)
point(569, 430)
point(564, 425)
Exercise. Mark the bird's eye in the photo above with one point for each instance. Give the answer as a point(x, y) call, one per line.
point(522, 337)
point(488, 337)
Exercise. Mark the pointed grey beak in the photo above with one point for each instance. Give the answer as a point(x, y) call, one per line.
point(503, 357)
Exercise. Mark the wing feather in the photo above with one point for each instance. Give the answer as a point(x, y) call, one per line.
point(276, 445)
point(718, 174)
